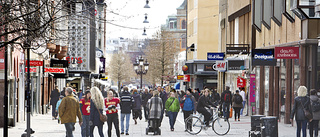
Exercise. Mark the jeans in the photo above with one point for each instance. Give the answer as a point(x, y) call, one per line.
point(53, 108)
point(145, 109)
point(100, 128)
point(243, 104)
point(302, 124)
point(127, 115)
point(69, 129)
point(172, 118)
point(226, 110)
point(113, 118)
point(186, 114)
point(236, 113)
point(314, 127)
point(85, 128)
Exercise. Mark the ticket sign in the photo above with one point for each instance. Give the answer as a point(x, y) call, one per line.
point(55, 70)
point(35, 63)
point(32, 70)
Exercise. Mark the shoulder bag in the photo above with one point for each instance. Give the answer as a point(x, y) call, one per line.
point(103, 118)
point(307, 113)
point(169, 107)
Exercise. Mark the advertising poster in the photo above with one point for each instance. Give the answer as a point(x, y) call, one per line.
point(252, 98)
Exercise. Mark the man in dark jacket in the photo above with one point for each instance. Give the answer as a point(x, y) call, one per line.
point(204, 102)
point(145, 97)
point(54, 99)
point(164, 97)
point(126, 103)
point(196, 94)
point(226, 97)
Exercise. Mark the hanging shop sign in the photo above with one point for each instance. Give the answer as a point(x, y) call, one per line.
point(286, 52)
point(237, 50)
point(35, 63)
point(32, 70)
point(263, 57)
point(55, 70)
point(215, 56)
point(58, 63)
point(102, 65)
point(241, 82)
point(220, 66)
point(236, 65)
point(186, 78)
point(180, 77)
point(252, 94)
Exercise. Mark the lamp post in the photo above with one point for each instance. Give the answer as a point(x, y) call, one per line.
point(141, 68)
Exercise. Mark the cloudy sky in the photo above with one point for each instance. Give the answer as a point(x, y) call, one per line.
point(125, 17)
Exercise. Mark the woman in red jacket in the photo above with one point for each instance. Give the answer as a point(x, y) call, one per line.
point(111, 104)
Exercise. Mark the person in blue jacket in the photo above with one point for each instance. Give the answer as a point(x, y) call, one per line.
point(189, 105)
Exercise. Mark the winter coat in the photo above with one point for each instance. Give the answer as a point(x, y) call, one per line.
point(94, 114)
point(189, 103)
point(145, 98)
point(234, 104)
point(126, 102)
point(222, 96)
point(204, 102)
point(54, 97)
point(137, 102)
point(196, 95)
point(69, 110)
point(297, 109)
point(172, 106)
point(316, 115)
point(155, 107)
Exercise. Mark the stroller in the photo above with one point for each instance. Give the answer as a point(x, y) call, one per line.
point(153, 126)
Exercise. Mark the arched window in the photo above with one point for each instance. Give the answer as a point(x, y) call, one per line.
point(183, 24)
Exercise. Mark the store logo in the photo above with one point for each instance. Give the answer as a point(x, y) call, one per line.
point(215, 56)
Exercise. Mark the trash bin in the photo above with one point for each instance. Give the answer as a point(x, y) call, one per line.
point(255, 122)
point(269, 126)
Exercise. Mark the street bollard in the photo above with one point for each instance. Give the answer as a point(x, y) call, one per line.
point(269, 126)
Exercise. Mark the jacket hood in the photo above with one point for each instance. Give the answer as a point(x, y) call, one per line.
point(314, 98)
point(135, 95)
point(302, 91)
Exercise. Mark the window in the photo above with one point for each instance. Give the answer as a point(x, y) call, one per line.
point(172, 25)
point(288, 13)
point(257, 14)
point(277, 6)
point(304, 9)
point(266, 16)
point(183, 43)
point(195, 3)
point(183, 24)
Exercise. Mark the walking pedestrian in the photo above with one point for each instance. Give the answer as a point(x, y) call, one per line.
point(164, 97)
point(145, 97)
point(188, 105)
point(126, 103)
point(96, 108)
point(57, 107)
point(54, 99)
point(155, 107)
point(196, 94)
point(112, 104)
point(173, 107)
point(204, 102)
point(226, 97)
point(315, 104)
point(243, 95)
point(301, 102)
point(85, 111)
point(237, 105)
point(80, 94)
point(136, 110)
point(69, 110)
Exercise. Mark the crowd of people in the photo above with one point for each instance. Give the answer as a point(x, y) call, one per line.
point(88, 106)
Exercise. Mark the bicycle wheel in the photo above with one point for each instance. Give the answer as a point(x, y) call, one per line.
point(193, 125)
point(221, 126)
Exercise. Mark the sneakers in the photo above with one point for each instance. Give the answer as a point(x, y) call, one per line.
point(172, 129)
point(127, 133)
point(135, 121)
point(239, 119)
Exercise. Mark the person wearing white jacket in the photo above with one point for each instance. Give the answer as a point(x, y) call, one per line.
point(243, 95)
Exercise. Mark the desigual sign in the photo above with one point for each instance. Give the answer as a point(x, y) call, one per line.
point(286, 52)
point(55, 70)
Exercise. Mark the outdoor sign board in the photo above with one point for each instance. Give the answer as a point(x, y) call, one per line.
point(180, 77)
point(35, 63)
point(252, 98)
point(55, 70)
point(186, 78)
point(215, 56)
point(263, 57)
point(208, 67)
point(241, 82)
point(237, 50)
point(32, 70)
point(286, 52)
point(2, 58)
point(220, 66)
point(235, 64)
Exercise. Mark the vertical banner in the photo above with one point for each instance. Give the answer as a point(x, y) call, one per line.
point(252, 98)
point(2, 58)
point(102, 66)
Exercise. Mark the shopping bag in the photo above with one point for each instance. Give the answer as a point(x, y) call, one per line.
point(230, 113)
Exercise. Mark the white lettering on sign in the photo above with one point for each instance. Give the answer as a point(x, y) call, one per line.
point(32, 70)
point(220, 66)
point(55, 70)
point(263, 57)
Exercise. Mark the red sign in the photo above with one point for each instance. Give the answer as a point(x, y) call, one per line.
point(55, 70)
point(286, 52)
point(32, 70)
point(78, 59)
point(180, 77)
point(241, 82)
point(186, 78)
point(34, 63)
point(220, 66)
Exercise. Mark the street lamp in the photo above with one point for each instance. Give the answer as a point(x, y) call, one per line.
point(141, 68)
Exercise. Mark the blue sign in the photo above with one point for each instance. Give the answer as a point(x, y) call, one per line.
point(215, 56)
point(263, 57)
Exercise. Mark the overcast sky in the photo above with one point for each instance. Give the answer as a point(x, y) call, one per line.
point(130, 15)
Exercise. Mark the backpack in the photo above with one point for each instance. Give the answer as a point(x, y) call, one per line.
point(315, 106)
point(238, 99)
point(227, 97)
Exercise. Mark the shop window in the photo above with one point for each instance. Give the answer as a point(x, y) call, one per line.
point(277, 7)
point(183, 24)
point(287, 12)
point(303, 9)
point(257, 14)
point(266, 16)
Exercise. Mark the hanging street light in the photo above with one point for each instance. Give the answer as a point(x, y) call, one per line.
point(145, 18)
point(147, 6)
point(144, 31)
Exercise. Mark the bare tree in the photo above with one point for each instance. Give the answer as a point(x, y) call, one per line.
point(160, 53)
point(120, 68)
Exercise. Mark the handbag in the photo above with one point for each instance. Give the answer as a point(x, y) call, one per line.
point(230, 113)
point(307, 113)
point(103, 118)
point(166, 111)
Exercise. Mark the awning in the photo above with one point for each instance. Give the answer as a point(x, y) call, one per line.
point(177, 85)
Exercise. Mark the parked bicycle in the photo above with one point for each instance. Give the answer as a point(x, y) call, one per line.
point(194, 124)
